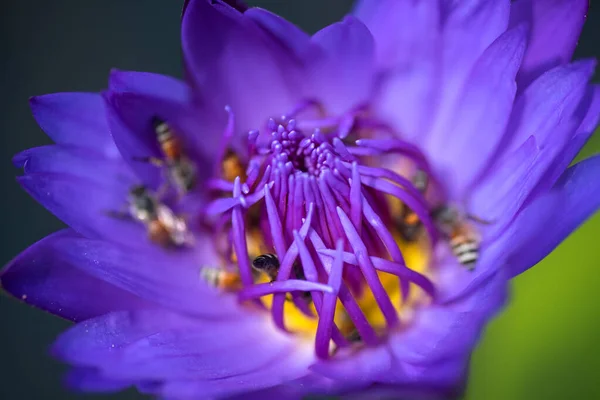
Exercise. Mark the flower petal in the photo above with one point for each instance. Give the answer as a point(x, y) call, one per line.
point(75, 119)
point(364, 366)
point(81, 189)
point(403, 30)
point(591, 108)
point(482, 112)
point(436, 349)
point(169, 278)
point(470, 26)
point(150, 84)
point(551, 98)
point(38, 277)
point(407, 37)
point(130, 118)
point(548, 112)
point(341, 66)
point(294, 38)
point(219, 357)
point(581, 191)
point(556, 26)
point(77, 161)
point(232, 61)
point(91, 380)
point(511, 180)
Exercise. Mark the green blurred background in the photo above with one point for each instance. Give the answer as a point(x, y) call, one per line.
point(544, 345)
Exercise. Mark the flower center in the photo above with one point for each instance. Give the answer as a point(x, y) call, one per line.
point(324, 229)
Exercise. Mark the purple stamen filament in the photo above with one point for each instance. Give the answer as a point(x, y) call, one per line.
point(323, 209)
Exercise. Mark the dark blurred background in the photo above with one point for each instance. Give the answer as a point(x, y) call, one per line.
point(544, 346)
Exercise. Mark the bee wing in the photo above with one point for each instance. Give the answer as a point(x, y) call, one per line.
point(166, 216)
point(177, 227)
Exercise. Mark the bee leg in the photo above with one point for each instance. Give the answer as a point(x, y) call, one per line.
point(478, 220)
point(157, 162)
point(162, 190)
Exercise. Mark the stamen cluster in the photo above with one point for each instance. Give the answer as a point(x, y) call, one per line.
point(314, 203)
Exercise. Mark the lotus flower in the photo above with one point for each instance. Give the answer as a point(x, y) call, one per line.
point(335, 214)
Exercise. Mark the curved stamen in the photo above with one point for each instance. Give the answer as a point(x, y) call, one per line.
point(219, 184)
point(356, 315)
point(396, 178)
point(388, 240)
point(327, 314)
point(285, 270)
point(225, 140)
point(239, 238)
point(310, 271)
point(368, 270)
point(274, 223)
point(342, 150)
point(390, 267)
point(411, 202)
point(290, 285)
point(356, 198)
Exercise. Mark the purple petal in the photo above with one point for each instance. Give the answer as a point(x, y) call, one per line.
point(169, 278)
point(412, 392)
point(220, 357)
point(75, 119)
point(408, 41)
point(40, 278)
point(77, 161)
point(232, 61)
point(438, 332)
point(91, 380)
point(342, 64)
point(150, 84)
point(482, 112)
point(403, 30)
point(311, 384)
point(550, 99)
point(469, 28)
point(506, 189)
point(436, 348)
point(581, 198)
point(294, 38)
point(549, 109)
point(367, 365)
point(591, 108)
point(100, 339)
point(556, 26)
point(81, 188)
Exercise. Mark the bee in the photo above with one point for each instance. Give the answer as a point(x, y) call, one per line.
point(181, 170)
point(232, 167)
point(462, 236)
point(269, 265)
point(163, 226)
point(410, 224)
point(221, 279)
point(354, 337)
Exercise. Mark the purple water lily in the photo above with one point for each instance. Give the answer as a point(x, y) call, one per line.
point(331, 214)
